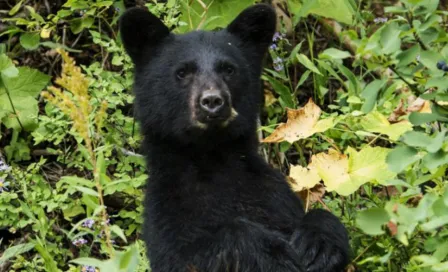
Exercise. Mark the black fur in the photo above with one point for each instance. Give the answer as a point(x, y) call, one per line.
point(212, 203)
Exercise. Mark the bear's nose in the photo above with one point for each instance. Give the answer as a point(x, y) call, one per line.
point(211, 102)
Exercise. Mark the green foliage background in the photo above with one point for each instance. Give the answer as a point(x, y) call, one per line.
point(371, 66)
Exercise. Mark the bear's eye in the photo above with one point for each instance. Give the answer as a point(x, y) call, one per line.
point(181, 73)
point(227, 69)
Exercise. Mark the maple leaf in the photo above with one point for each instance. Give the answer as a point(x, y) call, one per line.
point(301, 123)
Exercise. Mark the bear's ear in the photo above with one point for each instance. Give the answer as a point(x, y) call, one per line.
point(139, 30)
point(255, 24)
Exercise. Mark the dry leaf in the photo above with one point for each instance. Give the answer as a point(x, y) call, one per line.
point(393, 228)
point(313, 195)
point(397, 113)
point(301, 124)
point(303, 178)
point(269, 98)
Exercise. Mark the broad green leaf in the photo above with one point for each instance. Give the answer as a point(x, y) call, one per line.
point(370, 94)
point(224, 12)
point(408, 56)
point(29, 40)
point(340, 10)
point(371, 221)
point(22, 91)
point(333, 53)
point(435, 160)
point(390, 38)
point(29, 83)
point(130, 259)
point(418, 118)
point(401, 157)
point(376, 122)
point(430, 58)
point(435, 223)
point(26, 110)
point(7, 68)
point(420, 139)
point(15, 251)
point(305, 61)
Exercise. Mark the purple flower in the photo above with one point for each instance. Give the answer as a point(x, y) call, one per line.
point(273, 46)
point(278, 64)
point(88, 223)
point(79, 242)
point(277, 36)
point(380, 20)
point(88, 268)
point(278, 67)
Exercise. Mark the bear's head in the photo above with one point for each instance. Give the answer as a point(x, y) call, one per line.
point(200, 86)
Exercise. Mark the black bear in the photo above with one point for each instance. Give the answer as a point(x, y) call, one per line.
point(212, 203)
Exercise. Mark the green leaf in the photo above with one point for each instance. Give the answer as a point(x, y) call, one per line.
point(430, 58)
point(224, 12)
point(118, 231)
point(435, 223)
point(7, 67)
point(390, 38)
point(408, 56)
point(29, 40)
point(305, 61)
point(22, 90)
point(282, 90)
point(333, 53)
point(340, 10)
point(377, 122)
point(435, 160)
point(15, 251)
point(401, 157)
point(16, 8)
point(370, 94)
point(371, 221)
point(29, 84)
point(86, 190)
point(418, 118)
point(130, 259)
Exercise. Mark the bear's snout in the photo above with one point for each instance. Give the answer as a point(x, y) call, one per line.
point(213, 106)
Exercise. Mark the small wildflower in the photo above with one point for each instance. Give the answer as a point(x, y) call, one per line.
point(3, 185)
point(88, 223)
point(79, 242)
point(277, 36)
point(3, 165)
point(88, 268)
point(278, 64)
point(380, 20)
point(273, 46)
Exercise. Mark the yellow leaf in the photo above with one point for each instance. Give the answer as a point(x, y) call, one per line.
point(332, 168)
point(45, 33)
point(302, 123)
point(345, 175)
point(303, 178)
point(376, 122)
